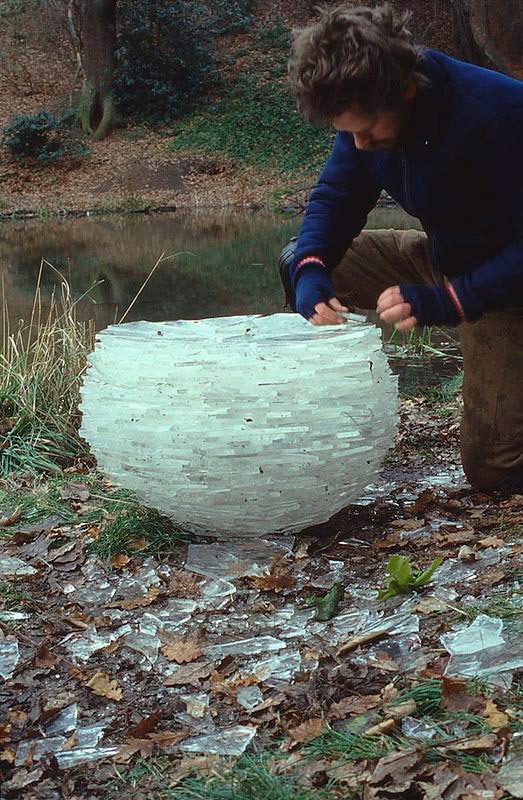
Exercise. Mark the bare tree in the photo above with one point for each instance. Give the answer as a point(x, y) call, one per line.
point(89, 26)
point(491, 33)
point(96, 107)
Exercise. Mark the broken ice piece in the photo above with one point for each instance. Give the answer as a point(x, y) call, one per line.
point(36, 748)
point(245, 647)
point(279, 667)
point(9, 656)
point(231, 742)
point(216, 593)
point(249, 697)
point(83, 755)
point(510, 775)
point(197, 704)
point(64, 721)
point(480, 650)
point(418, 729)
point(236, 559)
point(14, 568)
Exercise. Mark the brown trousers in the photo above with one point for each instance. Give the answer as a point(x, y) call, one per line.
point(492, 348)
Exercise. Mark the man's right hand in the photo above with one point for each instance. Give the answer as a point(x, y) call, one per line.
point(316, 299)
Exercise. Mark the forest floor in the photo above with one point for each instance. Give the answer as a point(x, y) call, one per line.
point(146, 665)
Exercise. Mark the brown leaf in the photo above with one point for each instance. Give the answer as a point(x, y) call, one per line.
point(183, 650)
point(44, 657)
point(397, 768)
point(11, 519)
point(144, 727)
point(485, 742)
point(120, 561)
point(353, 705)
point(8, 755)
point(408, 524)
point(5, 733)
point(183, 582)
point(279, 578)
point(430, 605)
point(189, 675)
point(102, 685)
point(74, 491)
point(497, 719)
point(491, 541)
point(453, 695)
point(426, 499)
point(137, 602)
point(308, 730)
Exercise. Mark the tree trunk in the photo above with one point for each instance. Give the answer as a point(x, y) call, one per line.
point(96, 108)
point(491, 33)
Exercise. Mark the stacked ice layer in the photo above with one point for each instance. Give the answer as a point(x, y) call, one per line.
point(241, 426)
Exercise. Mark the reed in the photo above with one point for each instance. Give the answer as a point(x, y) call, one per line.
point(42, 361)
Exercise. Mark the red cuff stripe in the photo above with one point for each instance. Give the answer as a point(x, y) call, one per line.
point(310, 260)
point(455, 299)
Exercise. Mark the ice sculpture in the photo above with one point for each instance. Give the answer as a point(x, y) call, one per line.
point(240, 426)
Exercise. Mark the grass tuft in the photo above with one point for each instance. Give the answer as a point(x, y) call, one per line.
point(41, 363)
point(138, 530)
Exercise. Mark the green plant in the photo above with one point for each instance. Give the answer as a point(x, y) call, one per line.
point(42, 137)
point(403, 579)
point(166, 53)
point(254, 119)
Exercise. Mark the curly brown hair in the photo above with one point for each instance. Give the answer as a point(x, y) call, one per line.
point(353, 54)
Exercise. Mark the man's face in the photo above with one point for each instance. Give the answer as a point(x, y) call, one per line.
point(386, 130)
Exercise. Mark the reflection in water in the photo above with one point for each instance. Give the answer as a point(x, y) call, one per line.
point(224, 263)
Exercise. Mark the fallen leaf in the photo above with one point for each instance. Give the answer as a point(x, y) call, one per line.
point(485, 742)
point(327, 606)
point(426, 499)
point(466, 553)
point(353, 705)
point(183, 650)
point(11, 519)
point(74, 491)
point(137, 602)
point(308, 730)
point(497, 719)
point(430, 605)
point(492, 541)
point(190, 674)
point(408, 524)
point(102, 685)
point(120, 561)
point(382, 727)
point(144, 727)
point(453, 695)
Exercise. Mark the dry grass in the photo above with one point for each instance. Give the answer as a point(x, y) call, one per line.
point(41, 365)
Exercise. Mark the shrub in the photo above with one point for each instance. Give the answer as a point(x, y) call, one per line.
point(42, 137)
point(166, 53)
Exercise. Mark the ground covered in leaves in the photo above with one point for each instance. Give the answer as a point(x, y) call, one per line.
point(138, 663)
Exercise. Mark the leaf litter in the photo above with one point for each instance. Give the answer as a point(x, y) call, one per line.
point(253, 641)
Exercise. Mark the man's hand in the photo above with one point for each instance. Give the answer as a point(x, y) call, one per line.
point(393, 308)
point(316, 297)
point(326, 313)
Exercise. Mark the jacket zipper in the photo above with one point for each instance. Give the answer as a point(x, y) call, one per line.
point(408, 207)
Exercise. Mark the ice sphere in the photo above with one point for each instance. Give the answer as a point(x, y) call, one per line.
point(241, 426)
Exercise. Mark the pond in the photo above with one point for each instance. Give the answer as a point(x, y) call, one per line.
point(215, 263)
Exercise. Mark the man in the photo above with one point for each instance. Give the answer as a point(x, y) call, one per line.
point(445, 139)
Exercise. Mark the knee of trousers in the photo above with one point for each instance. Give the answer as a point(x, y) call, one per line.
point(491, 467)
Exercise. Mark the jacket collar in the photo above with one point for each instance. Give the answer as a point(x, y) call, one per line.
point(428, 106)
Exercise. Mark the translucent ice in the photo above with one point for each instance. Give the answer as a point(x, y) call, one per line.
point(221, 427)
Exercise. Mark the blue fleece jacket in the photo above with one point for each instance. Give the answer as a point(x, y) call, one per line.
point(461, 174)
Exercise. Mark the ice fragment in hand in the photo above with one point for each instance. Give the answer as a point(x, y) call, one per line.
point(9, 656)
point(221, 427)
point(231, 742)
point(481, 651)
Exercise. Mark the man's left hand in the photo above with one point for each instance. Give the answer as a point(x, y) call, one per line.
point(392, 308)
